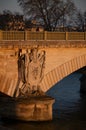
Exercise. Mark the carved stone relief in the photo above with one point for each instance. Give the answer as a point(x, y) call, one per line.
point(31, 71)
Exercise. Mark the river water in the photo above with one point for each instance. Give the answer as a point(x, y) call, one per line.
point(69, 109)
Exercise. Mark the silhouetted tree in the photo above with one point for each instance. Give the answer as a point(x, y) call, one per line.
point(47, 12)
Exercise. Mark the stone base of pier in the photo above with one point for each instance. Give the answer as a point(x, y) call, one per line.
point(37, 108)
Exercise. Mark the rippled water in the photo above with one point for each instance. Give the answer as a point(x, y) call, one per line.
point(69, 110)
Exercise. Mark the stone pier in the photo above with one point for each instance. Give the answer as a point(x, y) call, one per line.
point(27, 109)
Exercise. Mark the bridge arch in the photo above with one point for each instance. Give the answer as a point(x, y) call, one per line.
point(58, 73)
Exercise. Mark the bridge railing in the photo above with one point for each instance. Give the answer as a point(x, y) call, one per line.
point(28, 35)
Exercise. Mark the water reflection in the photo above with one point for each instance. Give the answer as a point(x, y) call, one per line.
point(69, 110)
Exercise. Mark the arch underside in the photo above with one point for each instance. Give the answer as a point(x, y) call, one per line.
point(57, 74)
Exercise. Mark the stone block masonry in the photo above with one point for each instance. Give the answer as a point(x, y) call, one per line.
point(62, 58)
point(8, 71)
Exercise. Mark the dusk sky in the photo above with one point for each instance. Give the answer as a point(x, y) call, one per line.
point(13, 6)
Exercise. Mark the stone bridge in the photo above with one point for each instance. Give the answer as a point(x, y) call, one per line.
point(62, 59)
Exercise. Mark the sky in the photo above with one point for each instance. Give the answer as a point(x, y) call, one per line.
point(13, 6)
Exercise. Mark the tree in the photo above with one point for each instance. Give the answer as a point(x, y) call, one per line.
point(47, 12)
point(4, 18)
point(85, 21)
point(81, 21)
point(10, 21)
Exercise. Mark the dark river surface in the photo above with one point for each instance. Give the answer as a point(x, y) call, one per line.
point(69, 109)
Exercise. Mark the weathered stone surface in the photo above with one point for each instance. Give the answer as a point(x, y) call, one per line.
point(37, 108)
point(62, 58)
point(30, 71)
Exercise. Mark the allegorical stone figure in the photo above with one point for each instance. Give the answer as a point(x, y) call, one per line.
point(31, 71)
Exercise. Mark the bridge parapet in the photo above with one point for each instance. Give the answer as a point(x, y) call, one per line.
point(28, 35)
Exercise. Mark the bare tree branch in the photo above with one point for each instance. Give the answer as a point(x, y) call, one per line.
point(47, 12)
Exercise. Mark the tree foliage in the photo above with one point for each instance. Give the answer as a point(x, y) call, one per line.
point(10, 21)
point(47, 12)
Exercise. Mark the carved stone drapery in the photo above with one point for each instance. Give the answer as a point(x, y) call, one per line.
point(31, 70)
